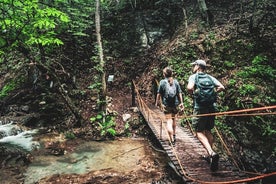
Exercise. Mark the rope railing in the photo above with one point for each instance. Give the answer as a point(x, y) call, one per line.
point(241, 112)
point(147, 112)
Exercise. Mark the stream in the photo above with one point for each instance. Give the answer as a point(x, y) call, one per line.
point(125, 156)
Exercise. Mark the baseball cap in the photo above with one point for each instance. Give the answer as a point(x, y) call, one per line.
point(199, 62)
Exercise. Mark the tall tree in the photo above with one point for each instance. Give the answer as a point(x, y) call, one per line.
point(100, 51)
point(29, 23)
point(205, 13)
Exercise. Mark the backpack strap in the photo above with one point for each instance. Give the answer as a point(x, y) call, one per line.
point(197, 76)
point(196, 80)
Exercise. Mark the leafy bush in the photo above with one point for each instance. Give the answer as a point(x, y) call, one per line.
point(6, 89)
point(260, 69)
point(106, 123)
point(247, 89)
point(69, 135)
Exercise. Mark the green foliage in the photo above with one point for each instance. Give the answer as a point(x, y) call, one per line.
point(194, 35)
point(268, 130)
point(247, 89)
point(95, 86)
point(179, 64)
point(227, 130)
point(7, 88)
point(259, 68)
point(106, 123)
point(232, 82)
point(229, 64)
point(69, 135)
point(127, 128)
point(254, 90)
point(30, 22)
point(80, 18)
point(209, 42)
point(156, 71)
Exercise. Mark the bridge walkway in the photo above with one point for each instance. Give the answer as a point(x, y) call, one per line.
point(187, 153)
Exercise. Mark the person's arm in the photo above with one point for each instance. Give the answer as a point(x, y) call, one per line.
point(219, 86)
point(180, 98)
point(158, 96)
point(181, 106)
point(157, 99)
point(191, 85)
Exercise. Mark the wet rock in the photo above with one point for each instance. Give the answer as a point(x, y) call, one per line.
point(134, 109)
point(55, 148)
point(25, 108)
point(126, 117)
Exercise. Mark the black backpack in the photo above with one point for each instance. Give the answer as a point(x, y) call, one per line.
point(205, 94)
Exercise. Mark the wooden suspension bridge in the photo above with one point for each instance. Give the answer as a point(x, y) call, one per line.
point(186, 154)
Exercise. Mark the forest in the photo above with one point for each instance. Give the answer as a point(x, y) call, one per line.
point(67, 67)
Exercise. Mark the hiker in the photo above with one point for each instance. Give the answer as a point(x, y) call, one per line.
point(204, 89)
point(170, 92)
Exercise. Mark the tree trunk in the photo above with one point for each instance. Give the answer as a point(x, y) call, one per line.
point(205, 13)
point(185, 19)
point(100, 51)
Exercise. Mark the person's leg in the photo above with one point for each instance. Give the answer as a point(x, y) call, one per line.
point(174, 123)
point(170, 128)
point(210, 137)
point(174, 128)
point(210, 123)
point(200, 127)
point(205, 142)
point(169, 120)
point(214, 157)
point(203, 132)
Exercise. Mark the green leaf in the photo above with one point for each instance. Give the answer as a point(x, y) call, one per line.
point(92, 119)
point(99, 116)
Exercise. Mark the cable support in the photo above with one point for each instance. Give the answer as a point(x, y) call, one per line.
point(229, 153)
point(189, 124)
point(236, 112)
point(254, 114)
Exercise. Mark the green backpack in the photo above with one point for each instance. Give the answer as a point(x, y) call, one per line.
point(205, 94)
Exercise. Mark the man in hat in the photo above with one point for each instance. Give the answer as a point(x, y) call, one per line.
point(204, 124)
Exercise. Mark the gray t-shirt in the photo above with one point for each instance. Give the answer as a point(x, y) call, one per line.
point(162, 90)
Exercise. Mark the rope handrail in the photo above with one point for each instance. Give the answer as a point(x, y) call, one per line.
point(238, 112)
point(143, 106)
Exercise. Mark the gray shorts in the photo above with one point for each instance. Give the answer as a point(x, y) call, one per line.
point(202, 123)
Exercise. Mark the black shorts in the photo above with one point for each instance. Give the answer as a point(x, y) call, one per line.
point(170, 110)
point(201, 123)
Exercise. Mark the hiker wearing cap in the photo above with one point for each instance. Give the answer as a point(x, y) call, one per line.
point(170, 93)
point(204, 88)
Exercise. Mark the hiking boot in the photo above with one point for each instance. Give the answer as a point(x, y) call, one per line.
point(206, 158)
point(173, 143)
point(174, 140)
point(214, 162)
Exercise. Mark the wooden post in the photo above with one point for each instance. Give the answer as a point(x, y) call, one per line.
point(161, 126)
point(133, 94)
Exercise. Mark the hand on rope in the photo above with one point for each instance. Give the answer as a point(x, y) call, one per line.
point(181, 107)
